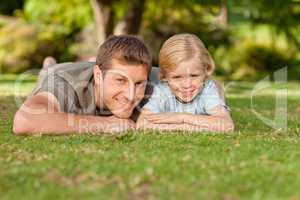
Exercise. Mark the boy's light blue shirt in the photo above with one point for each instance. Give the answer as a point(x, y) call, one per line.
point(162, 100)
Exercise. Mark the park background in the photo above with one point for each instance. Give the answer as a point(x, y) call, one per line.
point(248, 39)
point(250, 42)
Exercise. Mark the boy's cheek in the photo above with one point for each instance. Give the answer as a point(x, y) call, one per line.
point(173, 87)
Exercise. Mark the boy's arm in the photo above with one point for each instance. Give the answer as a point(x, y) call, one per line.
point(220, 121)
point(40, 114)
point(144, 124)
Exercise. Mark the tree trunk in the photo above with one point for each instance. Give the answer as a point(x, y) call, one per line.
point(224, 15)
point(133, 18)
point(104, 18)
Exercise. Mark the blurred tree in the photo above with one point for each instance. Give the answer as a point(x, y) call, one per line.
point(282, 15)
point(163, 19)
point(66, 17)
point(105, 17)
point(230, 30)
point(7, 7)
point(58, 22)
point(224, 14)
point(132, 20)
point(18, 47)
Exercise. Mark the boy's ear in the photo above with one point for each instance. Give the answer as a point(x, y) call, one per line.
point(98, 75)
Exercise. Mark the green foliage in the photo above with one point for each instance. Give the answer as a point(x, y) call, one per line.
point(251, 60)
point(18, 46)
point(62, 16)
point(163, 19)
point(24, 46)
point(64, 29)
point(265, 58)
point(282, 15)
point(264, 38)
point(50, 30)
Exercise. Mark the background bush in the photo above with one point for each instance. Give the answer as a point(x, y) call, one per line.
point(253, 44)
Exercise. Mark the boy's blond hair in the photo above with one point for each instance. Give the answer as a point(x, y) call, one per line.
point(184, 47)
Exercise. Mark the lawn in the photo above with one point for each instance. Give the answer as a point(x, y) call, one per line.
point(254, 162)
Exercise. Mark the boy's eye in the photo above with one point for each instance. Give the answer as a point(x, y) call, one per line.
point(176, 77)
point(195, 75)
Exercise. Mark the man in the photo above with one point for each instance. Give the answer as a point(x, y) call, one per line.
point(89, 97)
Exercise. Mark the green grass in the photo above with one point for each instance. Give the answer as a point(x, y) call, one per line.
point(255, 162)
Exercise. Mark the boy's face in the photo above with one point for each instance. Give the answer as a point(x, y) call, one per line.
point(121, 87)
point(186, 81)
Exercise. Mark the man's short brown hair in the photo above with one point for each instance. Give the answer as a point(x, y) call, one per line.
point(124, 48)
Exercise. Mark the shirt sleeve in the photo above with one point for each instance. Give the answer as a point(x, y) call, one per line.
point(212, 98)
point(156, 101)
point(60, 88)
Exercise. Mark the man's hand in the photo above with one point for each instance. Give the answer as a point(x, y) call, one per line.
point(165, 118)
point(99, 125)
point(120, 125)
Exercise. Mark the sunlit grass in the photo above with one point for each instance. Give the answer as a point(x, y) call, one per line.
point(254, 162)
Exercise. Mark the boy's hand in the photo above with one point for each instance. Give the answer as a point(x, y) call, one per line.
point(165, 118)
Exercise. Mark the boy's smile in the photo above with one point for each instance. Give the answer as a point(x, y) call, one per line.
point(186, 81)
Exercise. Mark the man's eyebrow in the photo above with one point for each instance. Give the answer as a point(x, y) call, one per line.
point(116, 74)
point(141, 80)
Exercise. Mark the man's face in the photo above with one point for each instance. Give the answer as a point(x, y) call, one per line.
point(186, 81)
point(121, 87)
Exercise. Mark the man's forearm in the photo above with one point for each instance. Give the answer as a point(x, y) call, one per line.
point(61, 123)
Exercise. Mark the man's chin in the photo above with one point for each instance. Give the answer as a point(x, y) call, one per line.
point(122, 114)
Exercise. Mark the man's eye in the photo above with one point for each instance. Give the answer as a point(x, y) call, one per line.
point(120, 80)
point(176, 77)
point(140, 83)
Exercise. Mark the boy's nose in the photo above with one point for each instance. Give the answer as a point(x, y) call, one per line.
point(187, 83)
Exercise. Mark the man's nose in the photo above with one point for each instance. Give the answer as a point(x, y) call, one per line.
point(129, 92)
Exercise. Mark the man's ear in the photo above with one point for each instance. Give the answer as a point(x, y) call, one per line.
point(161, 77)
point(98, 75)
